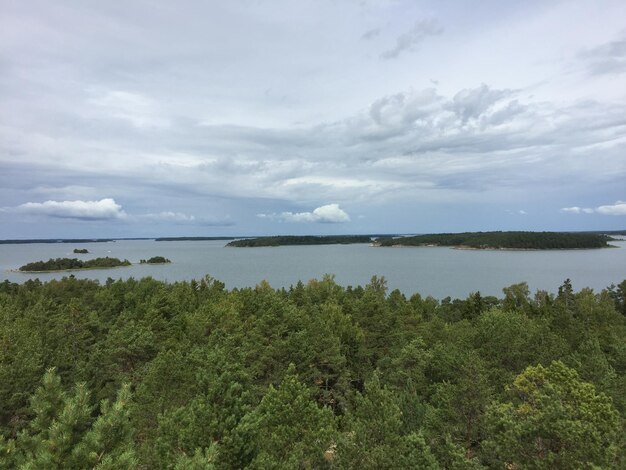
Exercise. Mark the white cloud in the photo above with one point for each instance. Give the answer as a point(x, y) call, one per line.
point(140, 111)
point(619, 208)
point(104, 209)
point(168, 216)
point(180, 218)
point(329, 214)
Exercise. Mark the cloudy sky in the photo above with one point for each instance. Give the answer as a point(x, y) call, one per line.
point(154, 118)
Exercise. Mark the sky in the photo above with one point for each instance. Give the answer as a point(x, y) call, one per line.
point(217, 118)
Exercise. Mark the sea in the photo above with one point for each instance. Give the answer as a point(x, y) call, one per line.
point(430, 271)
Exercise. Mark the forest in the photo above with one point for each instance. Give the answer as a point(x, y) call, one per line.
point(63, 264)
point(281, 240)
point(505, 240)
point(144, 374)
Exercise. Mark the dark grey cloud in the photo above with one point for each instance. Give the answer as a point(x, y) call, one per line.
point(472, 103)
point(371, 33)
point(608, 58)
point(409, 40)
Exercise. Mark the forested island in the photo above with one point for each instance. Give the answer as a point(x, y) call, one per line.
point(155, 260)
point(139, 374)
point(281, 240)
point(190, 239)
point(81, 251)
point(504, 240)
point(70, 264)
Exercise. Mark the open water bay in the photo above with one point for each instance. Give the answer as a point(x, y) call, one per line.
point(436, 271)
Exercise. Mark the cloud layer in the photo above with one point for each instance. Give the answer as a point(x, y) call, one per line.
point(170, 113)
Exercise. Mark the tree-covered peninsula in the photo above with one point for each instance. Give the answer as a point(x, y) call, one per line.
point(70, 264)
point(281, 240)
point(504, 240)
point(139, 374)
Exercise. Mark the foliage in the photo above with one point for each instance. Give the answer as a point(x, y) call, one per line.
point(63, 434)
point(81, 251)
point(554, 420)
point(315, 376)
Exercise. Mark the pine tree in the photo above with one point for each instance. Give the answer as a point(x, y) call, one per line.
point(288, 430)
point(62, 435)
point(373, 437)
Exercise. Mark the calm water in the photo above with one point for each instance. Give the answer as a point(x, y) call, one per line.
point(430, 271)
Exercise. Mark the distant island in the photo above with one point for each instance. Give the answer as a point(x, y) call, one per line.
point(155, 260)
point(62, 240)
point(190, 239)
point(282, 240)
point(71, 264)
point(81, 251)
point(504, 240)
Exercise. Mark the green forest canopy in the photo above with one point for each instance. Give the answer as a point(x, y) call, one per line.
point(149, 374)
point(505, 240)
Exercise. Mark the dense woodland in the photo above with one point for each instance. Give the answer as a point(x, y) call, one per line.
point(506, 240)
point(62, 264)
point(281, 240)
point(188, 375)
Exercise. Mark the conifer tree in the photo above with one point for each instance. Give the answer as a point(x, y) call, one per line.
point(373, 436)
point(62, 435)
point(288, 430)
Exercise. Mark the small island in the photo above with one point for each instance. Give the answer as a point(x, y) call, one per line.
point(73, 264)
point(504, 240)
point(282, 240)
point(81, 251)
point(155, 260)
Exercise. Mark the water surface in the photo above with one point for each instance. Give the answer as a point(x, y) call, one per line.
point(436, 271)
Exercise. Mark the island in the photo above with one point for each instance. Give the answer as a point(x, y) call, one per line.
point(63, 240)
point(155, 260)
point(81, 251)
point(190, 239)
point(504, 240)
point(73, 264)
point(282, 240)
